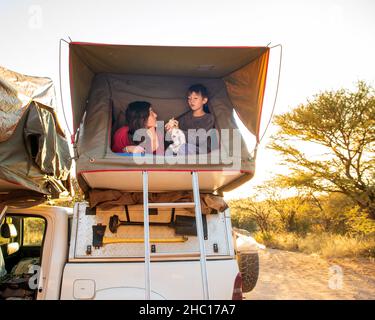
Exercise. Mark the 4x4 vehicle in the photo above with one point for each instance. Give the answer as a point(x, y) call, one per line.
point(46, 254)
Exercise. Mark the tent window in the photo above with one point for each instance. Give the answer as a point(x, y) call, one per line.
point(34, 145)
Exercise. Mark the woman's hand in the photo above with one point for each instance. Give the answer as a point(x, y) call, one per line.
point(134, 149)
point(172, 123)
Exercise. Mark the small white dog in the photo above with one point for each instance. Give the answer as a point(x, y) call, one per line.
point(178, 138)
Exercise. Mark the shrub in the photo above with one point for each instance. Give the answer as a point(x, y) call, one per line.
point(325, 244)
point(358, 222)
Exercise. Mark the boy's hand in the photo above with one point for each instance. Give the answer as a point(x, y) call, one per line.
point(172, 123)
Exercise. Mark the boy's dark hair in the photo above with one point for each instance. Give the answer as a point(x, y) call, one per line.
point(137, 115)
point(198, 88)
point(202, 90)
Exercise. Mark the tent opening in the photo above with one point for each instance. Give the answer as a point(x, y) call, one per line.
point(104, 79)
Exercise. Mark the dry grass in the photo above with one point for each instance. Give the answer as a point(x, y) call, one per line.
point(325, 244)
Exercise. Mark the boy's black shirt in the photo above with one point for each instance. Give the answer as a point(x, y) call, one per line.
point(188, 121)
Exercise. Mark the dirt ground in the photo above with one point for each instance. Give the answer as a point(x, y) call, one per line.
point(291, 275)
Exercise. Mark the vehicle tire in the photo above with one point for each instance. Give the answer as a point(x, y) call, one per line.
point(248, 264)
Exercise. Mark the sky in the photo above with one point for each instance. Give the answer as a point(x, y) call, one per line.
point(327, 44)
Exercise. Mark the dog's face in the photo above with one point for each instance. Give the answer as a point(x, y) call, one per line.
point(178, 137)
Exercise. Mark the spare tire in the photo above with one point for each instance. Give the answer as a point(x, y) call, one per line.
point(248, 264)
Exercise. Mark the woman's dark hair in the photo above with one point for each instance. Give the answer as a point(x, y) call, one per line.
point(137, 115)
point(202, 90)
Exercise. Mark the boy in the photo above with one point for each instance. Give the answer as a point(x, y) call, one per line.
point(197, 118)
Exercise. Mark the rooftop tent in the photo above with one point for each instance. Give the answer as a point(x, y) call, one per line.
point(34, 153)
point(105, 78)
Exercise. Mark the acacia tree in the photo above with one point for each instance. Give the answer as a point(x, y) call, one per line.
point(259, 212)
point(286, 208)
point(343, 123)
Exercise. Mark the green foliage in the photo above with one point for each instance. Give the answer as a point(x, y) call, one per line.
point(331, 226)
point(329, 213)
point(252, 215)
point(358, 223)
point(332, 210)
point(242, 220)
point(342, 124)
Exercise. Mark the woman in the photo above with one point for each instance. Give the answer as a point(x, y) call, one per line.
point(139, 115)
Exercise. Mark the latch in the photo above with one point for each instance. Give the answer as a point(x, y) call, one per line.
point(216, 248)
point(88, 250)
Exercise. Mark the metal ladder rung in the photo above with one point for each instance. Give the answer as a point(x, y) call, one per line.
point(171, 205)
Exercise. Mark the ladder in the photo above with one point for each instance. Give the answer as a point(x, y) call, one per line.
point(199, 224)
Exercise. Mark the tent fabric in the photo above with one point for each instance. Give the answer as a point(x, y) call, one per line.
point(104, 79)
point(161, 180)
point(16, 92)
point(108, 199)
point(89, 59)
point(34, 152)
point(239, 85)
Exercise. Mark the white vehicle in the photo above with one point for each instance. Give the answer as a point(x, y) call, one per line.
point(49, 254)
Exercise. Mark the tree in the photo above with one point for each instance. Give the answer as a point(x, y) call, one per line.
point(250, 209)
point(287, 208)
point(342, 123)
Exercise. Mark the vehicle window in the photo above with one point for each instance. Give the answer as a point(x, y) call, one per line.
point(33, 231)
point(5, 240)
